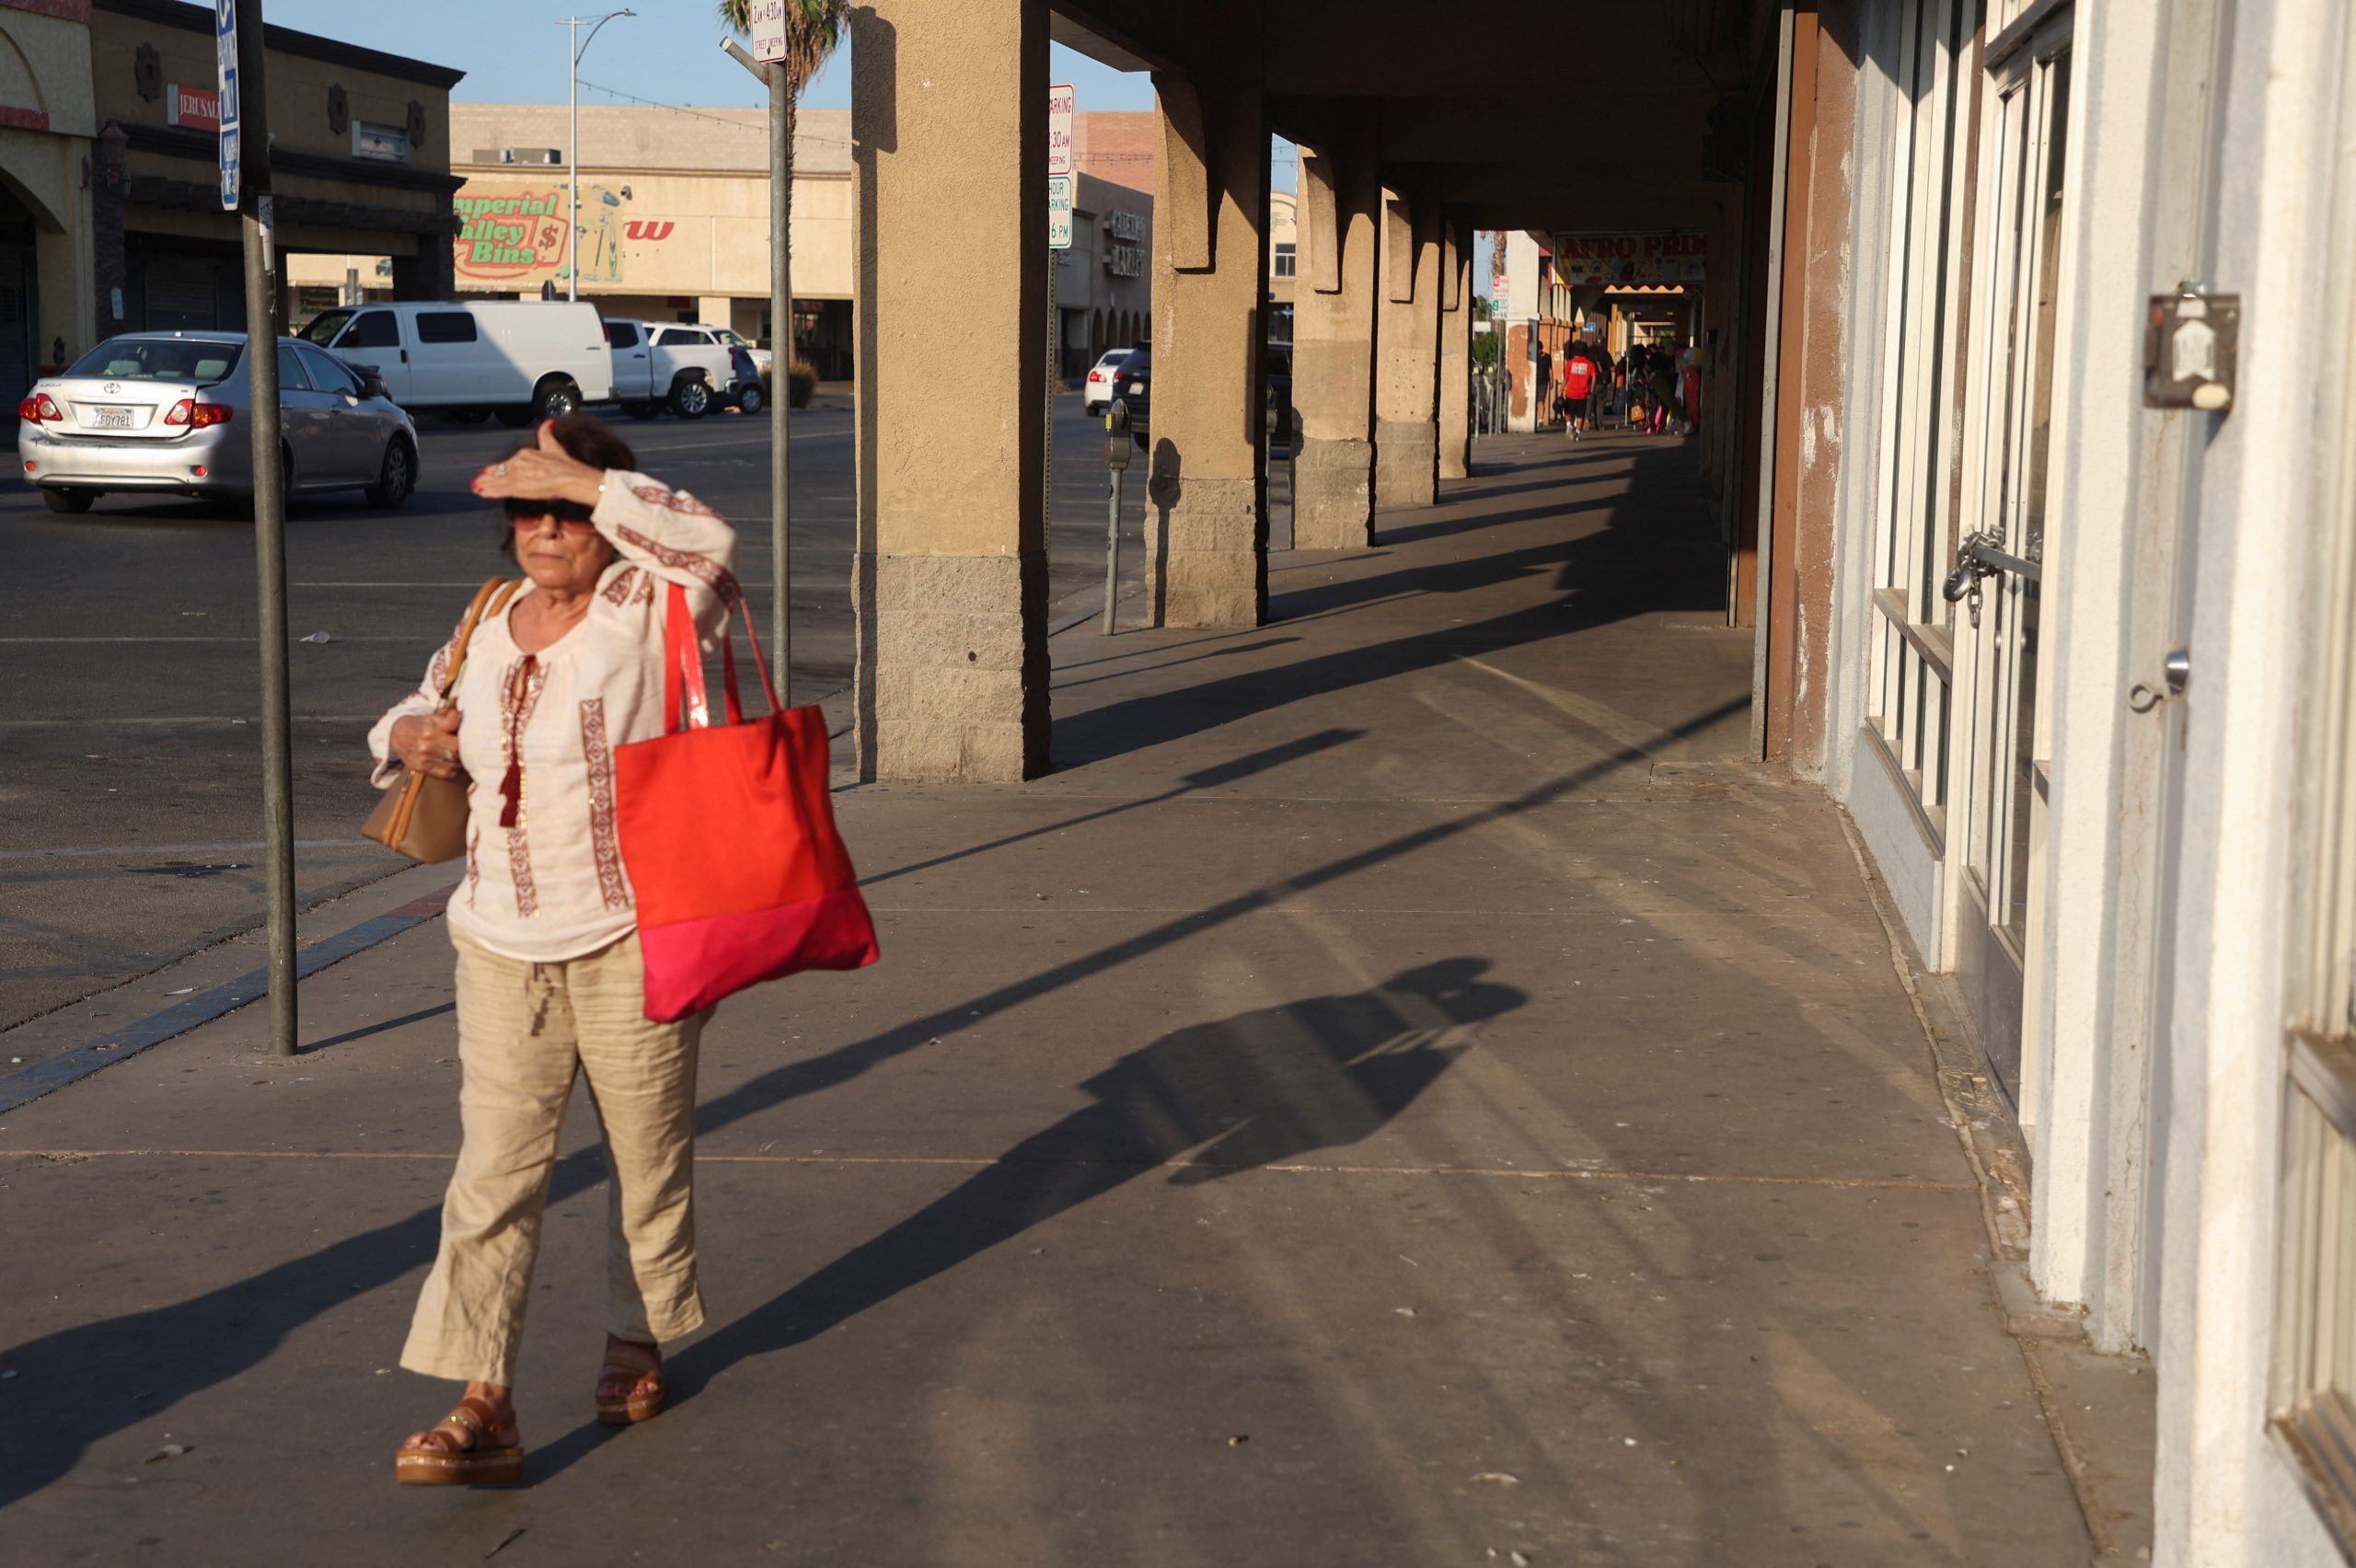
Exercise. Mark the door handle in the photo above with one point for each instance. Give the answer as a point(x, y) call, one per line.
point(2176, 674)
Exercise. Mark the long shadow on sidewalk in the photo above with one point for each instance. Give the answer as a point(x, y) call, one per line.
point(93, 1379)
point(1256, 1090)
point(1653, 555)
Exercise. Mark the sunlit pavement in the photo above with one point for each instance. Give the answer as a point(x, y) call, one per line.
point(1397, 1094)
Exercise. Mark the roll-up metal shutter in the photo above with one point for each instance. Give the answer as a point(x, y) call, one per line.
point(180, 293)
point(17, 349)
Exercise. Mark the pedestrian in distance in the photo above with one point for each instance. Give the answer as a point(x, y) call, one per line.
point(1598, 397)
point(1579, 385)
point(1661, 380)
point(550, 983)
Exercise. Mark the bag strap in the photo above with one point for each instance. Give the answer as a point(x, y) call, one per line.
point(682, 667)
point(489, 599)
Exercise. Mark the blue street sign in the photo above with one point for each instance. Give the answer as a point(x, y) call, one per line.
point(225, 19)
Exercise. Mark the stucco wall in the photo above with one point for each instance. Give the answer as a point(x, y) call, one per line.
point(298, 109)
point(45, 71)
point(2223, 1501)
point(46, 121)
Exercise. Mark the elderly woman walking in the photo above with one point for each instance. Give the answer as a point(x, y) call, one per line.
point(548, 972)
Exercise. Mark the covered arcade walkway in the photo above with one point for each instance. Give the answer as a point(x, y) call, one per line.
point(1394, 1094)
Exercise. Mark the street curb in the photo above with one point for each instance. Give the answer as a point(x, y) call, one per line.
point(192, 1012)
point(56, 1072)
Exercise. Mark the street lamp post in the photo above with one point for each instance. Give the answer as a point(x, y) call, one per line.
point(578, 44)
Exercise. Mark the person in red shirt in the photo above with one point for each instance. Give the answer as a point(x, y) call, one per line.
point(1578, 382)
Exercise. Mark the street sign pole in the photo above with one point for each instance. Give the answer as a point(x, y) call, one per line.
point(245, 188)
point(1047, 446)
point(781, 377)
point(573, 156)
point(766, 22)
point(1060, 183)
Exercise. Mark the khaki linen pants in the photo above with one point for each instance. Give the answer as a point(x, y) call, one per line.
point(522, 1029)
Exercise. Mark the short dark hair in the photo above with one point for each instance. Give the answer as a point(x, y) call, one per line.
point(586, 437)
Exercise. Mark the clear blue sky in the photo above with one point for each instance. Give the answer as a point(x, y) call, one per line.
point(513, 52)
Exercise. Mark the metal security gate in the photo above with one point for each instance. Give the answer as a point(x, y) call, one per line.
point(2024, 148)
point(16, 349)
point(179, 294)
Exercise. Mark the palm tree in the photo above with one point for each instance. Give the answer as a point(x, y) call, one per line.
point(813, 29)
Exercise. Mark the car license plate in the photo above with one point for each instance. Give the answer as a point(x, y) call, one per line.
point(111, 419)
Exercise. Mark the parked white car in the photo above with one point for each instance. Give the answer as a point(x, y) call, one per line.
point(520, 360)
point(658, 364)
point(171, 413)
point(1097, 390)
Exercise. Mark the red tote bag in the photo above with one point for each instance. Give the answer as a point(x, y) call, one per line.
point(728, 833)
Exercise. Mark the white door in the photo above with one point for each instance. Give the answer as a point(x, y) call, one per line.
point(453, 366)
point(2025, 140)
point(373, 338)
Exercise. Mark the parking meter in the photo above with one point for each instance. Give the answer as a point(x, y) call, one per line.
point(1116, 435)
point(1117, 459)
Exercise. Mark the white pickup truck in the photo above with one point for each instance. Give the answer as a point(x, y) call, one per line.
point(658, 364)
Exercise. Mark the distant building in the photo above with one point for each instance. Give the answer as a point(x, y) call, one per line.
point(1615, 289)
point(674, 223)
point(1105, 291)
point(110, 215)
point(1284, 247)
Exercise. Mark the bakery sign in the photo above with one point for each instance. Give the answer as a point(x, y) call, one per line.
point(198, 108)
point(1629, 259)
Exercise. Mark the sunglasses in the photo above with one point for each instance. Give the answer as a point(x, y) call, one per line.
point(532, 513)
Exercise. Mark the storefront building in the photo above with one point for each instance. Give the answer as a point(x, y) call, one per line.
point(46, 126)
point(2057, 447)
point(360, 160)
point(1104, 281)
point(674, 225)
point(111, 214)
point(1614, 290)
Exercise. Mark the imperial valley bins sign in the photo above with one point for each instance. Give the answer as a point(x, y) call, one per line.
point(513, 236)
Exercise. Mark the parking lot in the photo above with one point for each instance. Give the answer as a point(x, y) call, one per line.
point(129, 756)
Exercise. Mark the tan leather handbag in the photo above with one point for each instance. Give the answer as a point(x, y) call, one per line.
point(424, 818)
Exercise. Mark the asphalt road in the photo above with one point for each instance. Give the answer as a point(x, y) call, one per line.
point(130, 760)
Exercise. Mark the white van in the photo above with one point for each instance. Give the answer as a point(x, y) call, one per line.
point(520, 360)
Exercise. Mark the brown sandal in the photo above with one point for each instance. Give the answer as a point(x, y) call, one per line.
point(463, 1460)
point(642, 1397)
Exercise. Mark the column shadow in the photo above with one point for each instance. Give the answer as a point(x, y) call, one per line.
point(1203, 1103)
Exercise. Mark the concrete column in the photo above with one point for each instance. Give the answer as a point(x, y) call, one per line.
point(1206, 525)
point(950, 579)
point(1406, 386)
point(1456, 353)
point(1333, 336)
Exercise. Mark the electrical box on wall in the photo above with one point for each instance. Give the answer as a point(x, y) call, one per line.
point(2190, 345)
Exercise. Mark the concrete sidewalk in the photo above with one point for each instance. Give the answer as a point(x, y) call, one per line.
point(1398, 1095)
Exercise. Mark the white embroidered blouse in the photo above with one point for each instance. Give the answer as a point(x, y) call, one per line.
point(552, 887)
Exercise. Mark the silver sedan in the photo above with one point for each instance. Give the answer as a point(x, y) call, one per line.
point(171, 413)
